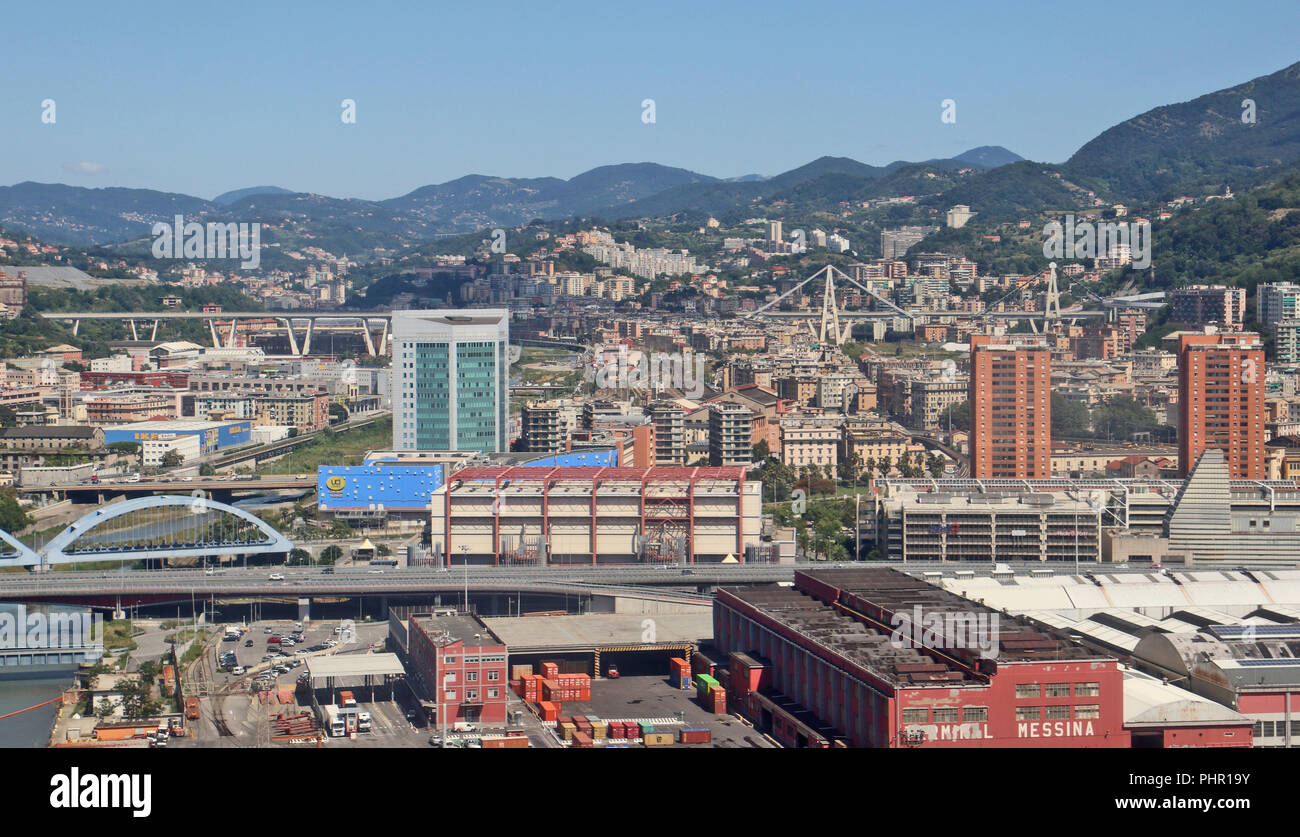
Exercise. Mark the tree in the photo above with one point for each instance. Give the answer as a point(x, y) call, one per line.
point(299, 557)
point(1070, 419)
point(937, 465)
point(8, 418)
point(330, 555)
point(339, 529)
point(762, 451)
point(956, 414)
point(383, 550)
point(206, 470)
point(172, 458)
point(13, 517)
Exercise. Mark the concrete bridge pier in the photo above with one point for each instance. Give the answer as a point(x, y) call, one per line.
point(304, 610)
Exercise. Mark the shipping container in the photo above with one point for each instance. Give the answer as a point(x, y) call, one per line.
point(645, 729)
point(695, 736)
point(658, 739)
point(192, 708)
point(567, 731)
point(550, 670)
point(518, 672)
point(705, 682)
point(581, 739)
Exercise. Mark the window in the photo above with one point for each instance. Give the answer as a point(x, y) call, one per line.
point(975, 713)
point(945, 716)
point(1029, 713)
point(1028, 690)
point(471, 676)
point(471, 694)
point(450, 694)
point(1058, 713)
point(1058, 690)
point(494, 675)
point(916, 716)
point(1087, 689)
point(492, 693)
point(1087, 712)
point(451, 661)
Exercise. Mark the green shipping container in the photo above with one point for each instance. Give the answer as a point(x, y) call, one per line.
point(704, 682)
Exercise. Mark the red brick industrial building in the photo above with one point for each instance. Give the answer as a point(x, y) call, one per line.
point(848, 658)
point(461, 665)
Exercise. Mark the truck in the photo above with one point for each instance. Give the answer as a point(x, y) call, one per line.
point(346, 698)
point(334, 722)
point(363, 722)
point(192, 708)
point(232, 633)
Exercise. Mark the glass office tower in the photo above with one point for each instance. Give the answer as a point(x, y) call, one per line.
point(451, 378)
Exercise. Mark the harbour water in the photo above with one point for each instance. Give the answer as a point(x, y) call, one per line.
point(30, 729)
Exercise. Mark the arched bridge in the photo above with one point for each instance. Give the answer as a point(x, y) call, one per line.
point(152, 528)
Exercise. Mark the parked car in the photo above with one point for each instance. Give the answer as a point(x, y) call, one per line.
point(275, 577)
point(238, 670)
point(248, 643)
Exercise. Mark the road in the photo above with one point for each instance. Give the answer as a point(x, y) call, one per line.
point(652, 582)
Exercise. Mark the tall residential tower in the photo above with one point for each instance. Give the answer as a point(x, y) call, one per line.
point(1010, 408)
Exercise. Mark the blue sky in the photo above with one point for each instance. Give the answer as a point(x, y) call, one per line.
point(199, 99)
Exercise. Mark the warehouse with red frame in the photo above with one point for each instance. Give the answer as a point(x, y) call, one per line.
point(873, 657)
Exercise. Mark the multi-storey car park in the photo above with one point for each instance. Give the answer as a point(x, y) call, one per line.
point(851, 658)
point(1207, 517)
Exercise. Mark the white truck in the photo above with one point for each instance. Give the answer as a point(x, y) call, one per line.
point(363, 722)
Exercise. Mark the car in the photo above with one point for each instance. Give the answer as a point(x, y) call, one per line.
point(376, 572)
point(266, 658)
point(274, 639)
point(238, 670)
point(248, 643)
point(268, 630)
point(435, 740)
point(287, 643)
point(328, 571)
point(302, 476)
point(338, 630)
point(275, 577)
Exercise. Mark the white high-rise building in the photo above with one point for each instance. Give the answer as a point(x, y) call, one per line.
point(450, 379)
point(1275, 302)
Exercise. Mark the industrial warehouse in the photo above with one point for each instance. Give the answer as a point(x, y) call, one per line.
point(834, 668)
point(565, 515)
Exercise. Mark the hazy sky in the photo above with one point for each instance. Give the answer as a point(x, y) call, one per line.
point(196, 98)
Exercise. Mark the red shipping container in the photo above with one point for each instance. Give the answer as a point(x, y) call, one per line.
point(563, 719)
point(550, 670)
point(616, 730)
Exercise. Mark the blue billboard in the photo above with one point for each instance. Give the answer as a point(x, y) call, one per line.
point(395, 487)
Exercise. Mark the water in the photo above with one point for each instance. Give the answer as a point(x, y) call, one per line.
point(24, 686)
point(30, 729)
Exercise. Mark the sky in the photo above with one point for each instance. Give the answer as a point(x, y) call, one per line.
point(204, 98)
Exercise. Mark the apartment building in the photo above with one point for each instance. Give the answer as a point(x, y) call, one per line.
point(1221, 400)
point(1010, 408)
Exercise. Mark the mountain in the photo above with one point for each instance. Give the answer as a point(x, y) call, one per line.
point(988, 156)
point(227, 198)
point(76, 215)
point(477, 201)
point(1197, 148)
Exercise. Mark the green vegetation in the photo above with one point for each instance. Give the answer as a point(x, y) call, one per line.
point(13, 517)
point(117, 634)
point(330, 448)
